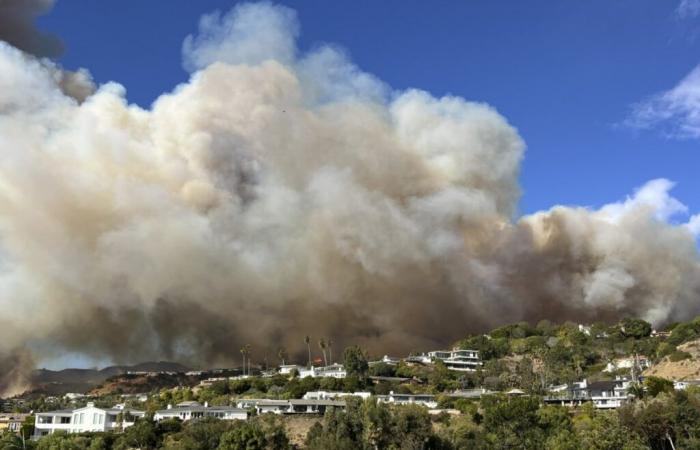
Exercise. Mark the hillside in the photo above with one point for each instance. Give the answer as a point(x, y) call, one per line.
point(58, 382)
point(683, 369)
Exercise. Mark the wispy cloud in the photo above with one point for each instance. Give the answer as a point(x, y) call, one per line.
point(688, 9)
point(676, 111)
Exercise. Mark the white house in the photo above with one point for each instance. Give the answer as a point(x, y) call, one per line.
point(302, 406)
point(325, 395)
point(89, 418)
point(386, 359)
point(459, 360)
point(408, 399)
point(682, 385)
point(193, 410)
point(603, 394)
point(287, 369)
point(12, 421)
point(333, 370)
point(640, 362)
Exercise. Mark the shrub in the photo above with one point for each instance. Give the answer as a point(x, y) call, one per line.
point(678, 355)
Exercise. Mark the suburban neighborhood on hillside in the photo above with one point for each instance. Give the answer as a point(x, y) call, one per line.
point(579, 369)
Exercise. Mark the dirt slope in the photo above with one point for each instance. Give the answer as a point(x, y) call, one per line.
point(687, 369)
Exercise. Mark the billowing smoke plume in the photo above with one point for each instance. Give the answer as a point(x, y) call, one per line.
point(279, 194)
point(17, 27)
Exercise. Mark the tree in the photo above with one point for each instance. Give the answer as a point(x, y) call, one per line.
point(244, 436)
point(141, 434)
point(243, 352)
point(282, 354)
point(513, 423)
point(635, 328)
point(322, 346)
point(307, 341)
point(657, 385)
point(355, 361)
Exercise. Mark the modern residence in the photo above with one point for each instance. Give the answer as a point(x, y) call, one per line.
point(287, 369)
point(393, 398)
point(331, 395)
point(193, 410)
point(456, 359)
point(603, 394)
point(12, 421)
point(681, 385)
point(301, 406)
point(332, 370)
point(89, 418)
point(386, 359)
point(633, 362)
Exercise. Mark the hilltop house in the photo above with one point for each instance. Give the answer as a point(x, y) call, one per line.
point(325, 395)
point(460, 360)
point(301, 406)
point(603, 394)
point(332, 370)
point(638, 362)
point(386, 359)
point(287, 369)
point(89, 418)
point(192, 410)
point(408, 399)
point(12, 421)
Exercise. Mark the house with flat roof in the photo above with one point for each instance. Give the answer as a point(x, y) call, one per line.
point(294, 406)
point(632, 362)
point(608, 394)
point(456, 359)
point(12, 421)
point(393, 398)
point(287, 369)
point(324, 395)
point(89, 418)
point(194, 410)
point(332, 370)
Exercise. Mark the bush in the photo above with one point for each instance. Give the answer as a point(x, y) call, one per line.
point(678, 355)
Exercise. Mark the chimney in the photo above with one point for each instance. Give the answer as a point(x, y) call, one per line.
point(206, 404)
point(170, 406)
point(90, 404)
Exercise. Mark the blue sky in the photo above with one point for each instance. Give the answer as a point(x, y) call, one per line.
point(568, 75)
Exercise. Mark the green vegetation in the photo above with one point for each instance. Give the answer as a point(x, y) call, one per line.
point(524, 356)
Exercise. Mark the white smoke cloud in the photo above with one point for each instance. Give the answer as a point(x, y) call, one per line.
point(694, 225)
point(654, 196)
point(248, 34)
point(276, 195)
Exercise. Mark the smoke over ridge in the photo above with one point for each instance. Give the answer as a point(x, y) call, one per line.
point(278, 194)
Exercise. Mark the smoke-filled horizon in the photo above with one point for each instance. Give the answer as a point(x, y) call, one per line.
point(279, 194)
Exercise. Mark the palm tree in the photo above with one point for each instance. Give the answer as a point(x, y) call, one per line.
point(247, 352)
point(322, 345)
point(330, 350)
point(307, 341)
point(636, 389)
point(243, 352)
point(282, 354)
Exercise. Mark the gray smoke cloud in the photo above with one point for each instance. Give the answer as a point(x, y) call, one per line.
point(278, 194)
point(17, 27)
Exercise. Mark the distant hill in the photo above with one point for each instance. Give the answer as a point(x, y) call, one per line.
point(58, 382)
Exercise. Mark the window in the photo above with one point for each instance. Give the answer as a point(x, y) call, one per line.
point(94, 418)
point(101, 419)
point(82, 418)
point(65, 420)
